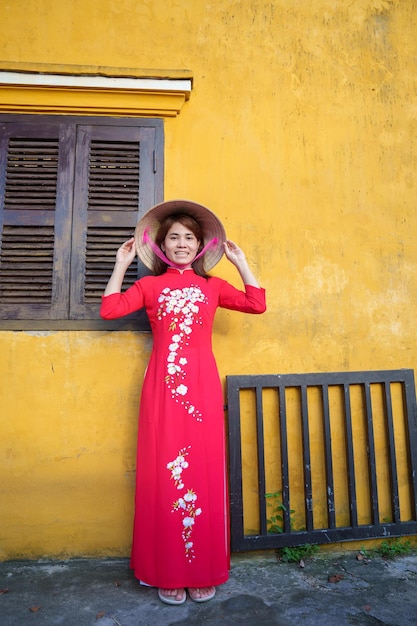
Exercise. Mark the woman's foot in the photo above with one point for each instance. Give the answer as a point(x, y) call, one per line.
point(201, 594)
point(172, 596)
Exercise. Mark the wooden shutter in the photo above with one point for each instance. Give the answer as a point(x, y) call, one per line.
point(71, 191)
point(34, 167)
point(112, 165)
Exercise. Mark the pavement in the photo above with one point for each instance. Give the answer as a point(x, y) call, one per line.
point(330, 590)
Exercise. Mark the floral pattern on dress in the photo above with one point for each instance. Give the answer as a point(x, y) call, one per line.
point(186, 504)
point(182, 305)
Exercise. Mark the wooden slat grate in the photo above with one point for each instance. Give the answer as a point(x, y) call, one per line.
point(363, 482)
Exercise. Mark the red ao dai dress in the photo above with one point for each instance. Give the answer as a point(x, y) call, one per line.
point(180, 536)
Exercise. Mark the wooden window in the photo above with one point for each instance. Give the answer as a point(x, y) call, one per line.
point(71, 191)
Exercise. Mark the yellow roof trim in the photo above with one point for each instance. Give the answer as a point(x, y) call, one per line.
point(92, 94)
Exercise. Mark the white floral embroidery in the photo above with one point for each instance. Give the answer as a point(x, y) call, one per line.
point(181, 390)
point(182, 305)
point(186, 504)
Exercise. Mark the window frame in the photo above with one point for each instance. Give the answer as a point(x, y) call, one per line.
point(72, 198)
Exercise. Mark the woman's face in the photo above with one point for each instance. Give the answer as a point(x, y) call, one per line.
point(180, 245)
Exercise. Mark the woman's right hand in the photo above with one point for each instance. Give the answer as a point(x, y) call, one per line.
point(124, 257)
point(127, 252)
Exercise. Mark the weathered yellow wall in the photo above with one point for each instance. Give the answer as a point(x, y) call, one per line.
point(300, 134)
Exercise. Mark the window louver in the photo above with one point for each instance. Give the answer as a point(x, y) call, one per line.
point(27, 251)
point(114, 175)
point(102, 245)
point(31, 175)
point(27, 264)
point(113, 185)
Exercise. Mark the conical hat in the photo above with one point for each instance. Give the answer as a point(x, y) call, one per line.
point(210, 223)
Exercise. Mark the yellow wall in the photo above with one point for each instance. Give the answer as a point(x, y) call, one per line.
point(300, 134)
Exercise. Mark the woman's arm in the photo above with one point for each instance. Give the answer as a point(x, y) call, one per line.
point(124, 257)
point(237, 257)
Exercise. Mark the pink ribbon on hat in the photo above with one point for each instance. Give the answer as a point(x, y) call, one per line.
point(159, 253)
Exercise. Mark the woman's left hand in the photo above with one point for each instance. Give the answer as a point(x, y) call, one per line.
point(233, 252)
point(238, 258)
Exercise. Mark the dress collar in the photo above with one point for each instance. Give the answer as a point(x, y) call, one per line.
point(177, 270)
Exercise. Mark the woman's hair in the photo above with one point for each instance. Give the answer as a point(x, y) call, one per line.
point(159, 267)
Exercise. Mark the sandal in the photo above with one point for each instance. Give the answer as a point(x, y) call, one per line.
point(171, 599)
point(201, 599)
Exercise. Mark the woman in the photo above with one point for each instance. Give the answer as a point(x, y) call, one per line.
point(180, 537)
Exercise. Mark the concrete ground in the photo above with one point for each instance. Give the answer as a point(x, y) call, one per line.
point(330, 590)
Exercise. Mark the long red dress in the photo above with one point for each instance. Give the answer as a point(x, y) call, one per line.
point(180, 536)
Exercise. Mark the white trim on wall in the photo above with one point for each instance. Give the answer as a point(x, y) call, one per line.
point(95, 82)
